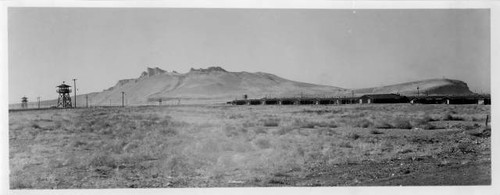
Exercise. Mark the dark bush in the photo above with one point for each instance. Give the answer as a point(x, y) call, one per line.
point(271, 122)
point(363, 123)
point(382, 125)
point(401, 123)
point(376, 132)
point(353, 136)
point(345, 145)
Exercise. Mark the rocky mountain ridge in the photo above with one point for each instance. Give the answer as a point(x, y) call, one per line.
point(216, 85)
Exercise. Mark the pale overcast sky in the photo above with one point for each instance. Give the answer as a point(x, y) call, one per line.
point(344, 48)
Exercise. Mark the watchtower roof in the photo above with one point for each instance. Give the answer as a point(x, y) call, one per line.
point(63, 86)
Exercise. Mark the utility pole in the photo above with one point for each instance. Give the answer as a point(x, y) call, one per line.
point(74, 83)
point(418, 90)
point(123, 98)
point(87, 101)
point(352, 99)
point(38, 102)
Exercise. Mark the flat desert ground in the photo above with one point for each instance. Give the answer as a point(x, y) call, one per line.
point(245, 146)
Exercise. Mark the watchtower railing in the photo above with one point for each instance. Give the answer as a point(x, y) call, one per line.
point(63, 90)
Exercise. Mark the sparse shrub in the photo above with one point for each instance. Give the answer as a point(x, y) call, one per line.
point(428, 118)
point(424, 140)
point(443, 163)
point(35, 126)
point(168, 131)
point(376, 132)
point(236, 116)
point(263, 143)
point(106, 131)
point(401, 123)
point(372, 139)
point(466, 147)
point(450, 117)
point(231, 131)
point(457, 118)
point(465, 126)
point(114, 146)
point(422, 124)
point(57, 125)
point(130, 146)
point(332, 124)
point(101, 126)
point(271, 122)
point(309, 125)
point(303, 123)
point(345, 145)
point(406, 151)
point(283, 130)
point(319, 112)
point(178, 165)
point(329, 132)
point(20, 183)
point(363, 123)
point(248, 124)
point(331, 116)
point(353, 136)
point(475, 119)
point(165, 123)
point(446, 117)
point(483, 134)
point(387, 147)
point(78, 143)
point(102, 160)
point(428, 126)
point(382, 125)
point(260, 130)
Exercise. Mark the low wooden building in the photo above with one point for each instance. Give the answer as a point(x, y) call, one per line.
point(464, 100)
point(429, 100)
point(383, 99)
point(451, 99)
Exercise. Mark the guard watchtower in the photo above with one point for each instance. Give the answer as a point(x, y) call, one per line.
point(24, 102)
point(64, 100)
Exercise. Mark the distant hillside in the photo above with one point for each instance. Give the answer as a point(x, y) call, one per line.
point(213, 84)
point(216, 85)
point(431, 87)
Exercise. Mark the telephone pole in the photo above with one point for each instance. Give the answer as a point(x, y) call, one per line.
point(352, 98)
point(87, 101)
point(123, 97)
point(74, 83)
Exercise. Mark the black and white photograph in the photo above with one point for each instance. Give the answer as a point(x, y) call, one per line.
point(251, 97)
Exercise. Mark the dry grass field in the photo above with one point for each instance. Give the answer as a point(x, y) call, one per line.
point(232, 146)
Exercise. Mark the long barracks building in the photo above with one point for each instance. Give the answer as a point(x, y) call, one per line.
point(369, 99)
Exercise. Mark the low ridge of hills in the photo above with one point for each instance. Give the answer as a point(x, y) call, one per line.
point(210, 85)
point(430, 87)
point(216, 85)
